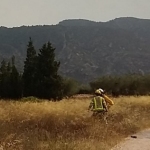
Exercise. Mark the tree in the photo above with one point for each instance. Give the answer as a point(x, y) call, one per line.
point(3, 79)
point(29, 70)
point(15, 81)
point(71, 87)
point(10, 80)
point(48, 82)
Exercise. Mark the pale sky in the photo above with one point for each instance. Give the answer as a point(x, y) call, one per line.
point(15, 13)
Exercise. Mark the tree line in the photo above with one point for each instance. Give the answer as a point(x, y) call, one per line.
point(40, 76)
point(129, 84)
point(40, 79)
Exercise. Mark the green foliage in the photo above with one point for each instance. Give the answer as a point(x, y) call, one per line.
point(15, 81)
point(40, 77)
point(48, 82)
point(4, 78)
point(131, 84)
point(10, 80)
point(30, 99)
point(84, 89)
point(29, 70)
point(71, 87)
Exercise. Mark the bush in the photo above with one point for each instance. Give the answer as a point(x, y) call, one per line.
point(71, 87)
point(131, 84)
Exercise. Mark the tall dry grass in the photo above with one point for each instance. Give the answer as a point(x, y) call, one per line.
point(67, 125)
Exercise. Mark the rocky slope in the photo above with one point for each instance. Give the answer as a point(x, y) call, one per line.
point(86, 49)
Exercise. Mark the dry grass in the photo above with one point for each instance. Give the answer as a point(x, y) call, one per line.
point(67, 125)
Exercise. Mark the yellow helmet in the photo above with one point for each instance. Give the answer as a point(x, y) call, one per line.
point(99, 91)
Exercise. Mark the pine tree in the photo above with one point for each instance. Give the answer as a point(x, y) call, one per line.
point(15, 81)
point(29, 71)
point(3, 79)
point(10, 80)
point(49, 83)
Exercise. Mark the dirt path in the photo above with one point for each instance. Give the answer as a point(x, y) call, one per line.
point(139, 141)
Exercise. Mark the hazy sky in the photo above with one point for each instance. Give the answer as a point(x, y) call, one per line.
point(47, 12)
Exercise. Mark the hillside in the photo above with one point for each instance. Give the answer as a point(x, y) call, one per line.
point(86, 49)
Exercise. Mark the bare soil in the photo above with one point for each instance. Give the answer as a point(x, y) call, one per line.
point(139, 141)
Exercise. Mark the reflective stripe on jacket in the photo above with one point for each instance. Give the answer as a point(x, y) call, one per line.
point(98, 104)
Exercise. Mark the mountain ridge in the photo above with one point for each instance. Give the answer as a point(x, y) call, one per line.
point(86, 49)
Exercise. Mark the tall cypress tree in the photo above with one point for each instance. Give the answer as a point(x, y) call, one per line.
point(3, 79)
point(29, 70)
point(49, 83)
point(15, 81)
point(10, 80)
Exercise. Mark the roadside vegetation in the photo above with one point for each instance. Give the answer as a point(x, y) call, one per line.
point(67, 125)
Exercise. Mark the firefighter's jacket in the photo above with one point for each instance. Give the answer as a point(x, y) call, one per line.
point(98, 104)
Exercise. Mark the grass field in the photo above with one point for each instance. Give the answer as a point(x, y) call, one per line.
point(67, 125)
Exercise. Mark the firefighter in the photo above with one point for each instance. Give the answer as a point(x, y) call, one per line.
point(99, 104)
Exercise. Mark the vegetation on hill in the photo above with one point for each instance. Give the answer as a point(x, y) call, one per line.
point(112, 55)
point(40, 77)
point(131, 84)
point(85, 49)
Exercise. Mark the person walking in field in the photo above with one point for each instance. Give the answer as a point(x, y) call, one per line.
point(99, 104)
